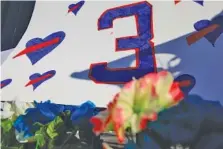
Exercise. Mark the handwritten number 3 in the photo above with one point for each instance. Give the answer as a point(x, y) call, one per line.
point(145, 57)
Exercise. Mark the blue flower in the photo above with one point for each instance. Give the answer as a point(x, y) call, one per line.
point(49, 109)
point(43, 112)
point(84, 111)
point(22, 126)
point(70, 108)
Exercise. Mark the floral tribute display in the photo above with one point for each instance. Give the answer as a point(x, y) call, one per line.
point(139, 110)
point(44, 124)
point(138, 103)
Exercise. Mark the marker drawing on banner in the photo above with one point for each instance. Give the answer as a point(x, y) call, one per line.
point(186, 82)
point(75, 8)
point(211, 30)
point(5, 83)
point(37, 79)
point(200, 2)
point(145, 56)
point(37, 48)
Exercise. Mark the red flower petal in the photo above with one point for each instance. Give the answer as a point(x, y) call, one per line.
point(176, 92)
point(151, 78)
point(118, 116)
point(153, 117)
point(162, 73)
point(112, 104)
point(143, 123)
point(128, 85)
point(154, 94)
point(108, 120)
point(98, 125)
point(145, 119)
point(119, 131)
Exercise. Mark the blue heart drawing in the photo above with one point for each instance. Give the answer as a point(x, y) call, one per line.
point(212, 36)
point(186, 77)
point(37, 75)
point(5, 83)
point(35, 56)
point(74, 8)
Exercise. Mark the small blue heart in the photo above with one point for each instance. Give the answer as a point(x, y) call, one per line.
point(214, 35)
point(37, 75)
point(35, 56)
point(186, 77)
point(5, 83)
point(78, 7)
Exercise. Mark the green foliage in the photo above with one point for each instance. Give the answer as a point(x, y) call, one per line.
point(40, 137)
point(8, 139)
point(51, 135)
point(52, 127)
point(54, 133)
point(6, 125)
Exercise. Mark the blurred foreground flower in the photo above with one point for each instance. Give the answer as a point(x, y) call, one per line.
point(138, 102)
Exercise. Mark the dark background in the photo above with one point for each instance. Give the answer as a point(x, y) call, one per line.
point(15, 18)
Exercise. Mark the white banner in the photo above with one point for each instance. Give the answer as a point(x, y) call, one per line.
point(83, 44)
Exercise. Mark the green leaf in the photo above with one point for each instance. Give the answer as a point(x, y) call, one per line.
point(67, 113)
point(9, 138)
point(40, 138)
point(38, 124)
point(6, 125)
point(53, 126)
